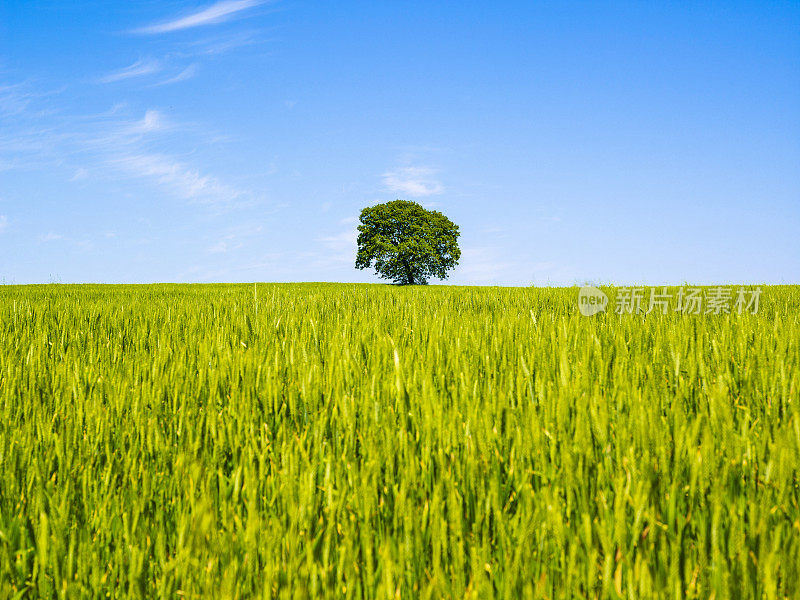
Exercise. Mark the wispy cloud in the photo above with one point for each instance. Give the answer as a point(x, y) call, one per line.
point(115, 136)
point(109, 144)
point(51, 237)
point(144, 68)
point(152, 121)
point(340, 248)
point(216, 13)
point(14, 99)
point(266, 267)
point(413, 181)
point(221, 44)
point(187, 73)
point(182, 180)
point(79, 244)
point(345, 238)
point(3, 223)
point(483, 265)
point(235, 238)
point(492, 265)
point(140, 68)
point(218, 248)
point(80, 174)
point(18, 98)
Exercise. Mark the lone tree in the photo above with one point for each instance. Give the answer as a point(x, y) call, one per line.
point(407, 243)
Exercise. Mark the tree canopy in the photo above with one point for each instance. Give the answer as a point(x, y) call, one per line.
point(406, 242)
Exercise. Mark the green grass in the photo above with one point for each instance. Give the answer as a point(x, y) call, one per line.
point(327, 440)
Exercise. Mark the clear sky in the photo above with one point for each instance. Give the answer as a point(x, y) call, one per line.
point(187, 140)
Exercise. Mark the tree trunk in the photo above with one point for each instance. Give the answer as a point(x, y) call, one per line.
point(409, 272)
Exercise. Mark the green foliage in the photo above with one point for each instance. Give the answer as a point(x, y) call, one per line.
point(327, 440)
point(407, 243)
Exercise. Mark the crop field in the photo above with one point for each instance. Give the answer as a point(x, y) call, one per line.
point(371, 441)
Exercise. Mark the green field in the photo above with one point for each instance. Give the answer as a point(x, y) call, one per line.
point(332, 440)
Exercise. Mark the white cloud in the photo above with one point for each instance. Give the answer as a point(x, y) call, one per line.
point(108, 143)
point(14, 99)
point(187, 73)
point(413, 181)
point(267, 267)
point(80, 174)
point(235, 238)
point(138, 69)
point(491, 265)
point(112, 136)
point(152, 121)
point(182, 180)
point(345, 238)
point(341, 247)
point(84, 245)
point(222, 44)
point(17, 98)
point(3, 223)
point(216, 13)
point(142, 68)
point(482, 266)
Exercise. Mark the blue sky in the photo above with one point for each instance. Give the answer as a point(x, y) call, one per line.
point(188, 140)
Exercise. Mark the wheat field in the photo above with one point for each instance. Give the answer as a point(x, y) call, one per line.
point(371, 441)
